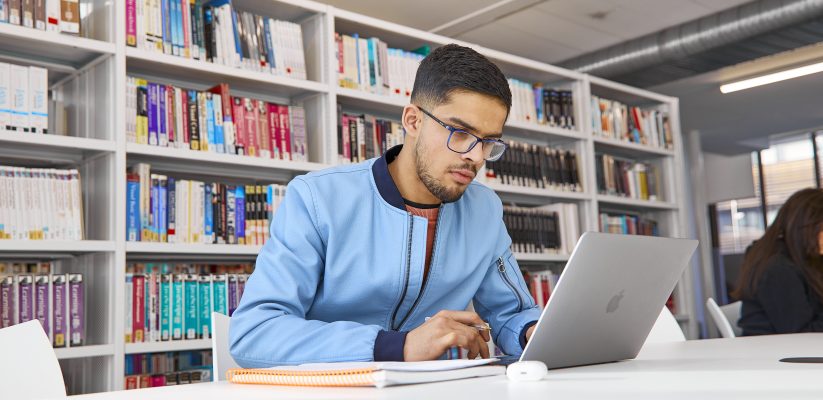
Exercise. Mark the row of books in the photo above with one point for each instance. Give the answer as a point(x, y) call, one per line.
point(167, 369)
point(216, 32)
point(160, 208)
point(163, 307)
point(615, 120)
point(213, 120)
point(532, 230)
point(533, 103)
point(363, 136)
point(58, 301)
point(628, 178)
point(371, 66)
point(24, 98)
point(45, 15)
point(188, 268)
point(627, 224)
point(541, 285)
point(21, 268)
point(536, 166)
point(40, 204)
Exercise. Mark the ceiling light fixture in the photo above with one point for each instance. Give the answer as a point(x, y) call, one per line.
point(772, 78)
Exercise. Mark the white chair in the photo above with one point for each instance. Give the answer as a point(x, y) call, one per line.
point(725, 317)
point(221, 357)
point(665, 329)
point(28, 365)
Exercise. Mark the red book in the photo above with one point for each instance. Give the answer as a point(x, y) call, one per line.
point(145, 381)
point(138, 308)
point(158, 380)
point(131, 382)
point(274, 131)
point(285, 132)
point(251, 127)
point(184, 113)
point(547, 291)
point(241, 143)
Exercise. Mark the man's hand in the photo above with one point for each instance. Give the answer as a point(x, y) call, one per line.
point(529, 333)
point(446, 329)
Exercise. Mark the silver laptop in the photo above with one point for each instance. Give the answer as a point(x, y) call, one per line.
point(607, 299)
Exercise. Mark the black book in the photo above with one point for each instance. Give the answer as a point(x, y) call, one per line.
point(208, 31)
point(598, 168)
point(557, 107)
point(353, 139)
point(194, 121)
point(547, 107)
point(340, 130)
point(571, 161)
point(215, 206)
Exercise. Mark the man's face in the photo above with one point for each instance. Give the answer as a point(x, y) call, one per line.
point(445, 173)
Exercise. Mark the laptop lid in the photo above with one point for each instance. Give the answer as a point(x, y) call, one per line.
point(607, 299)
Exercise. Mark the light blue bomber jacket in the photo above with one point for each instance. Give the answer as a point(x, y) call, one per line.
point(341, 277)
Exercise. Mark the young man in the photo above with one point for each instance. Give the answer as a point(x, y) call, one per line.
point(373, 261)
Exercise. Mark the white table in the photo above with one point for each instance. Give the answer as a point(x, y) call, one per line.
point(744, 368)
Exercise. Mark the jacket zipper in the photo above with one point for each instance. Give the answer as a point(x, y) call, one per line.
point(501, 267)
point(408, 271)
point(426, 283)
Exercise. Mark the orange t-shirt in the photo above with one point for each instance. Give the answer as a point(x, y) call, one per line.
point(431, 215)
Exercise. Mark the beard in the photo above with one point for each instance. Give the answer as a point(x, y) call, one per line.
point(435, 187)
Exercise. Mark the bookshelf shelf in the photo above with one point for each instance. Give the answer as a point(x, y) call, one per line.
point(536, 192)
point(51, 148)
point(552, 132)
point(192, 249)
point(209, 74)
point(358, 99)
point(57, 246)
point(538, 257)
point(629, 149)
point(217, 164)
point(85, 351)
point(174, 345)
point(638, 203)
point(59, 49)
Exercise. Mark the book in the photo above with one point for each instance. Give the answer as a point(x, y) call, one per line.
point(376, 374)
point(646, 126)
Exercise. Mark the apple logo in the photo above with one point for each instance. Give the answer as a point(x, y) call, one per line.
point(614, 302)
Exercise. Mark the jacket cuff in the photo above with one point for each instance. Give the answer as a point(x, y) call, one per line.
point(523, 333)
point(388, 346)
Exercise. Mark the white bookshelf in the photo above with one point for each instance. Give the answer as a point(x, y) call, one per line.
point(91, 72)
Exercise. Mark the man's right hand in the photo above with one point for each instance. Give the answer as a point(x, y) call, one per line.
point(444, 330)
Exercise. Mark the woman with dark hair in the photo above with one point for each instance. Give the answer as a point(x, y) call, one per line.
point(781, 279)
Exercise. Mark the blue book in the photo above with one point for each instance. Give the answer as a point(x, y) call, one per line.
point(190, 323)
point(177, 29)
point(171, 212)
point(357, 59)
point(204, 307)
point(269, 47)
point(177, 313)
point(210, 123)
point(162, 131)
point(163, 219)
point(208, 223)
point(538, 103)
point(240, 212)
point(220, 304)
point(165, 19)
point(372, 62)
point(237, 46)
point(133, 208)
point(155, 209)
point(165, 306)
point(153, 92)
point(217, 122)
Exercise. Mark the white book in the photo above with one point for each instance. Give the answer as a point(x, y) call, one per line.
point(53, 15)
point(363, 64)
point(131, 110)
point(5, 96)
point(5, 204)
point(19, 83)
point(198, 220)
point(39, 99)
point(178, 119)
point(140, 24)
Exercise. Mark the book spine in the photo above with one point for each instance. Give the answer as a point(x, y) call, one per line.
point(131, 23)
point(7, 302)
point(205, 306)
point(25, 299)
point(238, 113)
point(220, 305)
point(77, 315)
point(165, 307)
point(285, 132)
point(177, 313)
point(39, 96)
point(231, 215)
point(190, 323)
point(60, 307)
point(129, 308)
point(240, 210)
point(208, 220)
point(193, 118)
point(273, 116)
point(250, 114)
point(233, 299)
point(41, 302)
point(138, 308)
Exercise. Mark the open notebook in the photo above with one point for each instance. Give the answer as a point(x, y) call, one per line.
point(377, 374)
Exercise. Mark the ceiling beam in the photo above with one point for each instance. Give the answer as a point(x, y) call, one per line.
point(483, 16)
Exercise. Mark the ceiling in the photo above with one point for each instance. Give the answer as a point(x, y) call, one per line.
point(550, 30)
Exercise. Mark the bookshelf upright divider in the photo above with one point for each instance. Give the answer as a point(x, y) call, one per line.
point(92, 72)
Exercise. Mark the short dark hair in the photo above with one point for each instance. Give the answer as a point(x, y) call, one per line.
point(453, 68)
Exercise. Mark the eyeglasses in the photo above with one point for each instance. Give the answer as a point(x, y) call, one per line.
point(462, 142)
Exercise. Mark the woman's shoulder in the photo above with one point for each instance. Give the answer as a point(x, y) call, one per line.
point(780, 266)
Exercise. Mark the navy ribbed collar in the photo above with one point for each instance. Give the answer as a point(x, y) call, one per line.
point(385, 184)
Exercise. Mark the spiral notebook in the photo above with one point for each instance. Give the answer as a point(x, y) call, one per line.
point(376, 374)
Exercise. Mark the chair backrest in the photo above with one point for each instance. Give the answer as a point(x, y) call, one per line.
point(28, 365)
point(720, 319)
point(732, 313)
point(665, 329)
point(221, 357)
